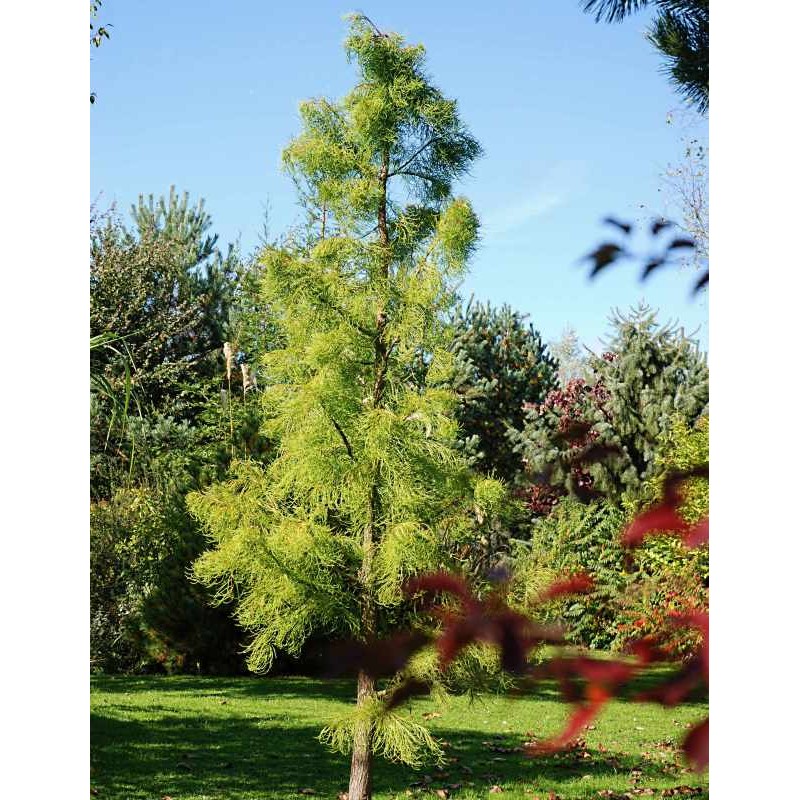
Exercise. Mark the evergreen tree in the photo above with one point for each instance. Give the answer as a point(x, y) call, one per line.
point(503, 366)
point(165, 289)
point(162, 298)
point(571, 357)
point(367, 487)
point(604, 436)
point(679, 32)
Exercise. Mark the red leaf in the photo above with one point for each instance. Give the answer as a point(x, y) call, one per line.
point(660, 519)
point(695, 745)
point(674, 690)
point(581, 717)
point(580, 583)
point(441, 582)
point(406, 690)
point(378, 657)
point(697, 535)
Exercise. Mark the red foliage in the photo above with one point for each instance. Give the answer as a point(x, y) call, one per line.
point(663, 518)
point(666, 519)
point(573, 405)
point(579, 583)
point(695, 745)
point(489, 620)
point(585, 682)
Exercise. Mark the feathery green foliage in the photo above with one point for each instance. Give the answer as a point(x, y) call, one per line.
point(367, 487)
point(577, 538)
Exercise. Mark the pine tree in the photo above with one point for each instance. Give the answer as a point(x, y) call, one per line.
point(367, 487)
point(604, 435)
point(679, 31)
point(503, 366)
point(165, 288)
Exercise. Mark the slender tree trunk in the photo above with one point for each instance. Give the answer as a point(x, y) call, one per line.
point(361, 764)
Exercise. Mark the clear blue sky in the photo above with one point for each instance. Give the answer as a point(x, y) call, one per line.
point(571, 115)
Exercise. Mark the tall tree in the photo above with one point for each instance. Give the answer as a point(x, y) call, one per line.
point(166, 288)
point(367, 486)
point(679, 32)
point(503, 366)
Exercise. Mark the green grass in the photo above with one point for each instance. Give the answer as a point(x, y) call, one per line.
point(253, 739)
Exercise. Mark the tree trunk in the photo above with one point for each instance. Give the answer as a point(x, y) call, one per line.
point(361, 763)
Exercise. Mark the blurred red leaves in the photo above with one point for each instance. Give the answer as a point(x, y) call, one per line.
point(587, 683)
point(579, 583)
point(660, 519)
point(379, 658)
point(600, 681)
point(487, 620)
point(695, 745)
point(664, 519)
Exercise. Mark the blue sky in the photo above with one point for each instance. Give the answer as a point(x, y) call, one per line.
point(571, 115)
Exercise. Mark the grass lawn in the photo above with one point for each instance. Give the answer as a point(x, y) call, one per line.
point(190, 738)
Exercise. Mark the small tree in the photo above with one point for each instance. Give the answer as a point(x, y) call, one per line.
point(571, 356)
point(503, 365)
point(367, 487)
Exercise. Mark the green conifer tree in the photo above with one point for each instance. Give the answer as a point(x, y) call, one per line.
point(503, 366)
point(604, 435)
point(367, 486)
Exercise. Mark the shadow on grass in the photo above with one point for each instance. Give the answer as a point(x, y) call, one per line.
point(179, 753)
point(310, 688)
point(233, 757)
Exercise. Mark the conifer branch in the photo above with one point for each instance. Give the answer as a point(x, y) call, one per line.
point(399, 170)
point(333, 307)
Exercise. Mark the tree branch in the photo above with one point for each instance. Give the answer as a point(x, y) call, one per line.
point(344, 438)
point(399, 170)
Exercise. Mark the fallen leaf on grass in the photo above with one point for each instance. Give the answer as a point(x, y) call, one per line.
point(431, 715)
point(306, 791)
point(495, 790)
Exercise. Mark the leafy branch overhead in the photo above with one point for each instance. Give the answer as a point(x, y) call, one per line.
point(587, 683)
point(97, 33)
point(665, 250)
point(679, 31)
